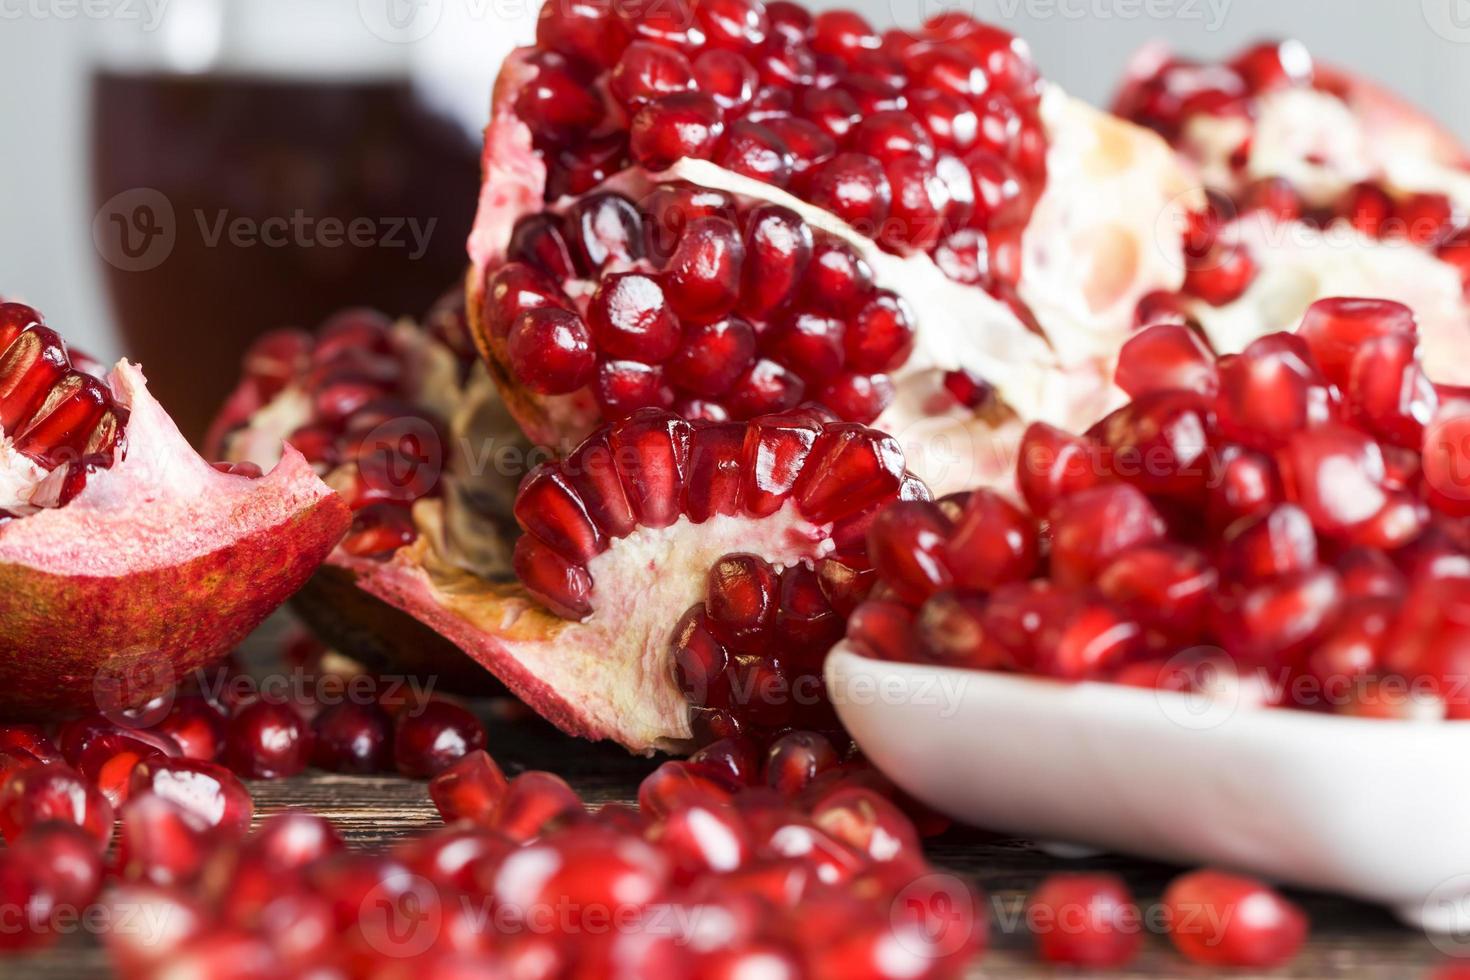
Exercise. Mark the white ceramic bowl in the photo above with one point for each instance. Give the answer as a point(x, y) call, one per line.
point(1379, 810)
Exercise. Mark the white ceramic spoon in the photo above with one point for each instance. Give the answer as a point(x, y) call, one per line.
point(1379, 810)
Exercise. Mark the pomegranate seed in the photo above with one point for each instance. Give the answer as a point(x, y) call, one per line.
point(267, 741)
point(778, 246)
point(160, 843)
point(28, 905)
point(881, 336)
point(110, 758)
point(630, 318)
point(843, 34)
point(1274, 64)
point(1167, 357)
point(564, 587)
point(833, 111)
point(29, 740)
point(685, 124)
point(699, 840)
point(853, 187)
point(809, 146)
point(741, 600)
point(64, 860)
point(433, 736)
point(1336, 474)
point(514, 289)
point(1270, 390)
point(755, 151)
point(351, 738)
point(797, 758)
point(472, 788)
point(558, 103)
point(1085, 920)
point(675, 785)
point(606, 229)
point(766, 388)
point(648, 71)
point(1269, 936)
point(209, 793)
point(550, 351)
point(907, 545)
point(1389, 393)
point(704, 273)
point(993, 543)
point(726, 77)
point(29, 367)
point(838, 279)
point(1270, 624)
point(881, 628)
point(712, 357)
point(1094, 526)
point(586, 30)
point(534, 803)
point(625, 387)
point(36, 793)
point(808, 343)
point(1054, 465)
point(1160, 442)
point(16, 319)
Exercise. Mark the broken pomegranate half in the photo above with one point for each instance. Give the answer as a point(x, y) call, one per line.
point(731, 216)
point(1321, 185)
point(125, 559)
point(1290, 520)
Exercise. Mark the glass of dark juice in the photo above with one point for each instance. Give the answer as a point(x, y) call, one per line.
point(258, 164)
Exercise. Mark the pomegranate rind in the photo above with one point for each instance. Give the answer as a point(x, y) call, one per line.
point(161, 565)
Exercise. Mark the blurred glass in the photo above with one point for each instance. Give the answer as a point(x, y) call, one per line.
point(260, 163)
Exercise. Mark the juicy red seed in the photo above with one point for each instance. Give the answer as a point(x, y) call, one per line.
point(1165, 587)
point(712, 357)
point(776, 453)
point(805, 614)
point(881, 336)
point(883, 628)
point(783, 65)
point(843, 34)
point(1336, 474)
point(949, 629)
point(874, 94)
point(160, 843)
point(675, 785)
point(1270, 390)
point(726, 77)
point(110, 758)
point(1092, 527)
point(587, 30)
point(1334, 329)
point(548, 507)
point(594, 477)
point(949, 119)
point(1159, 442)
point(551, 351)
point(993, 543)
point(778, 246)
point(969, 389)
point(15, 319)
point(716, 469)
point(672, 206)
point(625, 387)
point(209, 793)
point(1269, 936)
point(809, 146)
point(1272, 623)
point(37, 793)
point(630, 318)
point(1367, 207)
point(888, 136)
point(1261, 547)
point(1389, 392)
point(858, 397)
point(1221, 276)
point(536, 802)
point(433, 736)
point(267, 741)
point(1425, 218)
point(1166, 357)
point(838, 279)
point(565, 588)
point(1000, 200)
point(833, 111)
point(755, 151)
point(558, 104)
point(65, 860)
point(797, 758)
point(1087, 920)
point(1054, 465)
point(350, 737)
point(765, 388)
point(649, 71)
point(470, 789)
point(586, 164)
point(809, 343)
point(906, 544)
point(651, 450)
point(606, 228)
point(704, 273)
point(686, 124)
point(853, 187)
point(699, 662)
point(851, 467)
point(380, 529)
point(514, 289)
point(741, 597)
point(29, 367)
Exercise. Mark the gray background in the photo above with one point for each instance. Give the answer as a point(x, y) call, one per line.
point(47, 47)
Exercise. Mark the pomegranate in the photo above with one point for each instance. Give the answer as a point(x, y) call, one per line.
point(1230, 920)
point(126, 560)
point(730, 225)
point(1281, 527)
point(1321, 184)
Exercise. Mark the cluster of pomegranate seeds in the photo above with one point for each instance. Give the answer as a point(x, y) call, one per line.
point(695, 300)
point(749, 657)
point(1219, 270)
point(1299, 506)
point(927, 140)
point(365, 433)
point(59, 416)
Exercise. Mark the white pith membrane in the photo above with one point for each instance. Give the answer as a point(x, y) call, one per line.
point(1107, 229)
point(159, 505)
point(1324, 144)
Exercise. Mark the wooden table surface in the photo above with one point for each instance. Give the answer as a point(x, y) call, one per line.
point(1348, 939)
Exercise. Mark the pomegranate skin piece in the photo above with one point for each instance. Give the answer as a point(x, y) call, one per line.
point(131, 566)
